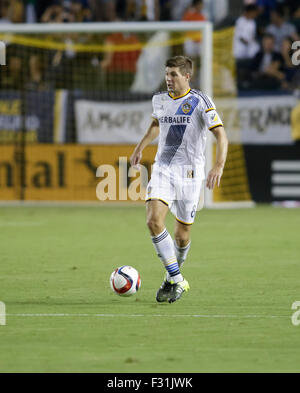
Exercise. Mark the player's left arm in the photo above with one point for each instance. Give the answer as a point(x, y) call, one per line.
point(214, 176)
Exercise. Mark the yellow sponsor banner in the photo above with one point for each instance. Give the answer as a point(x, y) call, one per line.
point(69, 172)
point(234, 184)
point(9, 175)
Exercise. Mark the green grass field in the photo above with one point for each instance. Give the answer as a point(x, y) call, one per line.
point(243, 268)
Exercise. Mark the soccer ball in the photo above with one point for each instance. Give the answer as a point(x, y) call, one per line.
point(125, 281)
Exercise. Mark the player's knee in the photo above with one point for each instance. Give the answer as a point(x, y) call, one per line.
point(182, 242)
point(155, 225)
point(182, 239)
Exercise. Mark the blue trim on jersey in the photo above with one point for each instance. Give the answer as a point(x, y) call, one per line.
point(204, 97)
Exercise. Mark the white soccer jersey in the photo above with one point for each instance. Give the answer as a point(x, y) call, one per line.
point(183, 123)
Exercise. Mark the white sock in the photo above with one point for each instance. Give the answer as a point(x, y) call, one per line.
point(165, 249)
point(181, 253)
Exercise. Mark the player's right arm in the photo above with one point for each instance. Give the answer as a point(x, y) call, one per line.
point(151, 134)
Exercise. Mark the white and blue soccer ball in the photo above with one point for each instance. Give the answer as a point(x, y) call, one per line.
point(125, 281)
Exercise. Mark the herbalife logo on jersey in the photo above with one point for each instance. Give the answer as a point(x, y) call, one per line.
point(2, 53)
point(175, 119)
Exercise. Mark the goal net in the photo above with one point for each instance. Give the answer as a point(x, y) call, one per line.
point(77, 96)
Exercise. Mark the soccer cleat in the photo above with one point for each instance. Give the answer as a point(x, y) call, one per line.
point(178, 290)
point(165, 291)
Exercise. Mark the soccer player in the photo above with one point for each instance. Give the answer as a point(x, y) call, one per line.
point(181, 118)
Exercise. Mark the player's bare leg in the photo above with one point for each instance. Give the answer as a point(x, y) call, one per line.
point(156, 216)
point(182, 241)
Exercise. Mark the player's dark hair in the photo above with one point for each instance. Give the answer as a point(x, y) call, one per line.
point(184, 63)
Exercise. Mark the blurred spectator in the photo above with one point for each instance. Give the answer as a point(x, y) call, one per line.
point(11, 11)
point(280, 29)
point(36, 80)
point(296, 19)
point(120, 60)
point(40, 7)
point(62, 66)
point(12, 76)
point(219, 12)
point(96, 10)
point(107, 10)
point(192, 44)
point(143, 10)
point(5, 12)
point(67, 11)
point(53, 14)
point(119, 67)
point(17, 11)
point(81, 11)
point(179, 7)
point(268, 67)
point(287, 52)
point(245, 45)
point(165, 9)
point(264, 8)
point(30, 11)
point(194, 12)
point(289, 7)
point(67, 15)
point(121, 8)
point(62, 63)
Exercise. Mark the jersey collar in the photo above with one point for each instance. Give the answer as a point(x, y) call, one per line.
point(176, 98)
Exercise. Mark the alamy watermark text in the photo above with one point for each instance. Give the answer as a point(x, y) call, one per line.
point(2, 314)
point(296, 54)
point(296, 315)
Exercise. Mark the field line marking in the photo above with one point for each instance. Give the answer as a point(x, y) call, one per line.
point(20, 224)
point(147, 315)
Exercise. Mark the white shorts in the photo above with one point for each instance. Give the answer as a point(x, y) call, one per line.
point(179, 190)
